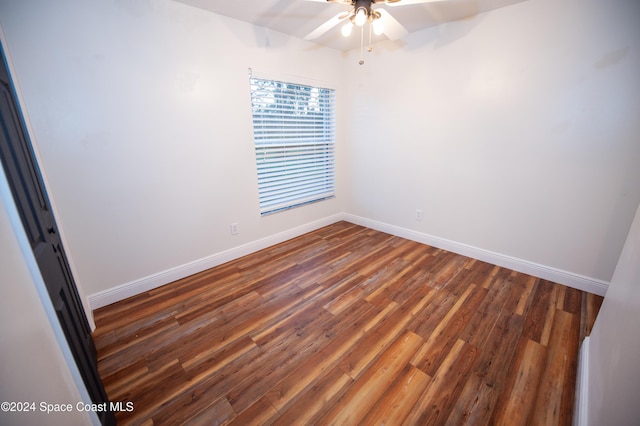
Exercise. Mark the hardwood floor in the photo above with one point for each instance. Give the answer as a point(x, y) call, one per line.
point(347, 325)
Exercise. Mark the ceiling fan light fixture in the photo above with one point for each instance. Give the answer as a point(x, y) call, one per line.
point(361, 17)
point(346, 29)
point(362, 12)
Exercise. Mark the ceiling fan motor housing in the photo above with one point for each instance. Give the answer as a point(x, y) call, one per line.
point(366, 4)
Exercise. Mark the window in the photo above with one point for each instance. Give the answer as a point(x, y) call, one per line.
point(294, 137)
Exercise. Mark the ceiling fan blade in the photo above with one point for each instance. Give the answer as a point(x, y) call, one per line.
point(326, 26)
point(391, 27)
point(409, 2)
point(348, 2)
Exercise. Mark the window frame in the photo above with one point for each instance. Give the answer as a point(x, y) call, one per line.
point(294, 123)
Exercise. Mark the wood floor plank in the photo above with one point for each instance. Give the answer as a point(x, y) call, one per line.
point(530, 284)
point(572, 300)
point(438, 401)
point(550, 315)
point(146, 395)
point(354, 405)
point(209, 360)
point(481, 323)
point(429, 317)
point(221, 331)
point(522, 395)
point(346, 337)
point(376, 341)
point(396, 274)
point(127, 377)
point(218, 413)
point(444, 336)
point(518, 284)
point(280, 362)
point(474, 404)
point(396, 403)
point(490, 378)
point(554, 403)
point(537, 315)
point(307, 409)
point(132, 351)
point(258, 414)
point(343, 325)
point(486, 273)
point(561, 295)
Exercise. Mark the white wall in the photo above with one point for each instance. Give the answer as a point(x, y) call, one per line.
point(614, 344)
point(32, 368)
point(515, 131)
point(140, 112)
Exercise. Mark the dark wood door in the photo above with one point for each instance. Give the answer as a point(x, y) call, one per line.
point(33, 205)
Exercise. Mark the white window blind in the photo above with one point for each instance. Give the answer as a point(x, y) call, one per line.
point(294, 136)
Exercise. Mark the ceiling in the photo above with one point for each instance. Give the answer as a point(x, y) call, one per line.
point(299, 17)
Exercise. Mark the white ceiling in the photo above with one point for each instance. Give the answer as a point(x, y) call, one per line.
point(299, 17)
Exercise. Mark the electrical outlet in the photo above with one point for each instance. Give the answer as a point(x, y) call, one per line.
point(234, 228)
point(418, 214)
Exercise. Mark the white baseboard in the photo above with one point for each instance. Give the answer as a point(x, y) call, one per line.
point(141, 285)
point(580, 415)
point(559, 276)
point(150, 282)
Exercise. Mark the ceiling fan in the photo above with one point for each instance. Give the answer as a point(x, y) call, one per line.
point(361, 13)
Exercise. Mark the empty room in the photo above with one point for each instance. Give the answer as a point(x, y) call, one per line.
point(302, 212)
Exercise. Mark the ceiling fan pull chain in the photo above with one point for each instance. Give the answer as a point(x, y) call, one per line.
point(361, 45)
point(370, 48)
